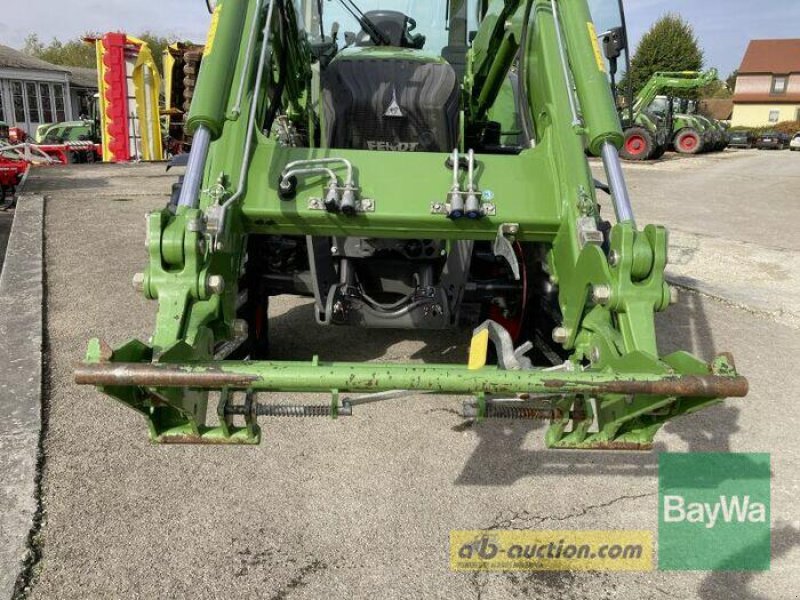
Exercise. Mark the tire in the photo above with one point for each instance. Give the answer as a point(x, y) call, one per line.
point(256, 313)
point(659, 152)
point(688, 141)
point(638, 144)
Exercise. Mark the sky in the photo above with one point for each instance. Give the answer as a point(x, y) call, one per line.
point(723, 26)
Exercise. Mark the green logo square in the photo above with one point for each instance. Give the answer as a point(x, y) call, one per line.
point(714, 512)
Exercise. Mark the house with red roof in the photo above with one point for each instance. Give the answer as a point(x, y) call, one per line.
point(768, 85)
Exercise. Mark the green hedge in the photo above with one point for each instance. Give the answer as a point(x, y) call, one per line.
point(790, 127)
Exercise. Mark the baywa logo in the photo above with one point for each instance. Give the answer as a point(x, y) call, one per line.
point(731, 509)
point(714, 512)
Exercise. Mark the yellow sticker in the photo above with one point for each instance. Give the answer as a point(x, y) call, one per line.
point(212, 30)
point(598, 55)
point(478, 350)
point(540, 550)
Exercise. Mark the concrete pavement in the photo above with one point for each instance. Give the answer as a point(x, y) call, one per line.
point(21, 295)
point(362, 507)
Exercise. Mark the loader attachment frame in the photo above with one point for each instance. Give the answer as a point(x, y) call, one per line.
point(266, 186)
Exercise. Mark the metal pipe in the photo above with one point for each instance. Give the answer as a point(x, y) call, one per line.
point(455, 198)
point(195, 168)
point(323, 161)
point(616, 181)
point(440, 379)
point(455, 158)
point(251, 39)
point(250, 121)
point(471, 170)
point(472, 206)
point(564, 66)
point(312, 171)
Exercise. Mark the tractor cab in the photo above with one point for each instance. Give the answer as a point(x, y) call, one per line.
point(394, 80)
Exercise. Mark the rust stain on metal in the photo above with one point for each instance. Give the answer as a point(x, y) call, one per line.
point(159, 376)
point(696, 386)
point(105, 352)
point(728, 356)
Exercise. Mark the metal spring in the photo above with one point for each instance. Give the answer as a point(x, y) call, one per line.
point(518, 412)
point(269, 410)
point(280, 410)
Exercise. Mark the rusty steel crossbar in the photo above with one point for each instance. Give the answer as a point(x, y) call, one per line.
point(444, 379)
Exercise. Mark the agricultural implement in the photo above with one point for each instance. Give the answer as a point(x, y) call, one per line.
point(16, 161)
point(180, 65)
point(129, 94)
point(428, 171)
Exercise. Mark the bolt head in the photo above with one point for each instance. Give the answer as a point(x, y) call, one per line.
point(560, 335)
point(138, 282)
point(601, 294)
point(215, 284)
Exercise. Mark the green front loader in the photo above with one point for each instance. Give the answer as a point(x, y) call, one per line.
point(688, 132)
point(420, 170)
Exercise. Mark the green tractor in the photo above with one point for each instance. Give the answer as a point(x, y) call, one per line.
point(647, 136)
point(689, 132)
point(718, 134)
point(427, 171)
point(82, 136)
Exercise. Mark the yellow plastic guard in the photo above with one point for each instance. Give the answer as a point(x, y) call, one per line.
point(478, 350)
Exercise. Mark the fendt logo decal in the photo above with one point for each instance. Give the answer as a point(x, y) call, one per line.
point(394, 111)
point(393, 147)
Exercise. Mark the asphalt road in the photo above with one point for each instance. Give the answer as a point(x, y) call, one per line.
point(362, 507)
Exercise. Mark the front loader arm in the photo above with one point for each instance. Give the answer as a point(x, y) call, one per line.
point(607, 281)
point(666, 81)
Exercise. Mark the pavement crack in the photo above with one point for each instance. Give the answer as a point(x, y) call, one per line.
point(779, 315)
point(530, 518)
point(35, 541)
point(299, 580)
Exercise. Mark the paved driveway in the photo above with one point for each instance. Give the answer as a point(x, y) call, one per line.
point(362, 507)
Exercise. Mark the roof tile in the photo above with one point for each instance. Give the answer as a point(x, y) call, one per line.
point(772, 56)
point(14, 59)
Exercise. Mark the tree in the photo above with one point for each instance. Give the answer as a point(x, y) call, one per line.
point(74, 53)
point(731, 80)
point(716, 89)
point(158, 44)
point(669, 45)
point(77, 53)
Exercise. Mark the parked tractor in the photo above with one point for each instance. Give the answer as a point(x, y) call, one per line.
point(689, 132)
point(81, 138)
point(424, 171)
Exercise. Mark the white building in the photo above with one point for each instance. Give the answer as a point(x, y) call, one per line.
point(34, 92)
